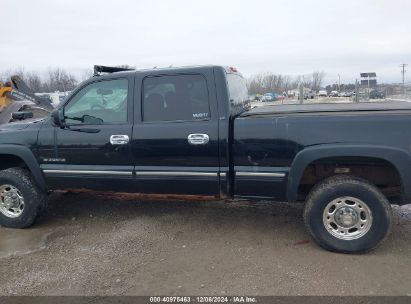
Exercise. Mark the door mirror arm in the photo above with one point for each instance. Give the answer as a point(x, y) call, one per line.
point(58, 118)
point(60, 121)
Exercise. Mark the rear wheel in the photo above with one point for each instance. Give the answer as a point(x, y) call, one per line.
point(21, 201)
point(347, 214)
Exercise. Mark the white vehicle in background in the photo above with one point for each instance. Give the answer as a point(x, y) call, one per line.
point(334, 94)
point(308, 94)
point(56, 97)
point(322, 93)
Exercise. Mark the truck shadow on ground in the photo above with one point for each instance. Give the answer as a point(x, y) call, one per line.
point(74, 213)
point(87, 208)
point(256, 219)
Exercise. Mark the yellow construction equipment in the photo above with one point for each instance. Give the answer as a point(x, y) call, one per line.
point(16, 96)
point(5, 89)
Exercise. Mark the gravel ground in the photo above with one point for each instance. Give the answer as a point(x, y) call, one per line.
point(88, 244)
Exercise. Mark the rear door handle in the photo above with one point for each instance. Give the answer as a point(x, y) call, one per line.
point(198, 139)
point(119, 139)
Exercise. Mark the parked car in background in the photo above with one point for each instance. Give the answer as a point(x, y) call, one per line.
point(272, 97)
point(308, 94)
point(362, 95)
point(322, 93)
point(255, 97)
point(377, 95)
point(280, 97)
point(334, 94)
point(268, 97)
point(345, 94)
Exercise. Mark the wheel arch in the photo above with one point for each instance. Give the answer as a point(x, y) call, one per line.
point(16, 155)
point(398, 158)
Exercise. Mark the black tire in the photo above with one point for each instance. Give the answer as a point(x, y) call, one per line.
point(34, 200)
point(324, 193)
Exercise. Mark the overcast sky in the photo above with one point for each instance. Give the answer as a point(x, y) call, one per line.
point(283, 36)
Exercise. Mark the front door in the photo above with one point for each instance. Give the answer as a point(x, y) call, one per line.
point(175, 137)
point(93, 151)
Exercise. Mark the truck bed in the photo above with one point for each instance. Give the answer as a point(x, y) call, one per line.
point(272, 139)
point(329, 107)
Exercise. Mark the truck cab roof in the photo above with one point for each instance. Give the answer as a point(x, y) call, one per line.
point(171, 69)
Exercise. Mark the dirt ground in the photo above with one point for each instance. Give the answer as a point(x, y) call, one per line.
point(101, 245)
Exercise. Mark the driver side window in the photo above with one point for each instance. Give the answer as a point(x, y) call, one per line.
point(98, 103)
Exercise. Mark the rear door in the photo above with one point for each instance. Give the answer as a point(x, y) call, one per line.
point(175, 136)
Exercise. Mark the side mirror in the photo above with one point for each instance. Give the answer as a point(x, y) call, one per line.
point(21, 115)
point(58, 118)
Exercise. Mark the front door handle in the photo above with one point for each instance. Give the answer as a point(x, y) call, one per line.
point(198, 139)
point(119, 139)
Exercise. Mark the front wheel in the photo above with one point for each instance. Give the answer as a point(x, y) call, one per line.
point(347, 214)
point(21, 201)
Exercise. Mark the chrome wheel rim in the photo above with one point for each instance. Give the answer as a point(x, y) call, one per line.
point(11, 201)
point(347, 218)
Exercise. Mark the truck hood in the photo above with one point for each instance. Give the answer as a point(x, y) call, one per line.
point(15, 126)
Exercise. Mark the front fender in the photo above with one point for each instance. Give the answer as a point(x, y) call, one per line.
point(29, 159)
point(399, 158)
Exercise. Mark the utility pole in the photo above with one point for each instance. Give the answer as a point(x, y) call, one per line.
point(368, 88)
point(403, 70)
point(301, 93)
point(339, 83)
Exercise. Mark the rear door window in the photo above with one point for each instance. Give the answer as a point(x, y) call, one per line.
point(175, 98)
point(239, 98)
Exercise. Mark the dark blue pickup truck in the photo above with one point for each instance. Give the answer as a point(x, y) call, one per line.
point(190, 133)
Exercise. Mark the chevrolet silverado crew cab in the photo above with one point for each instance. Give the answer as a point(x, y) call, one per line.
point(190, 133)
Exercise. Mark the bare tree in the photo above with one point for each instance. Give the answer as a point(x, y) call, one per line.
point(255, 84)
point(34, 82)
point(5, 75)
point(305, 80)
point(57, 80)
point(268, 82)
point(317, 80)
point(88, 73)
point(19, 72)
point(60, 80)
point(313, 81)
